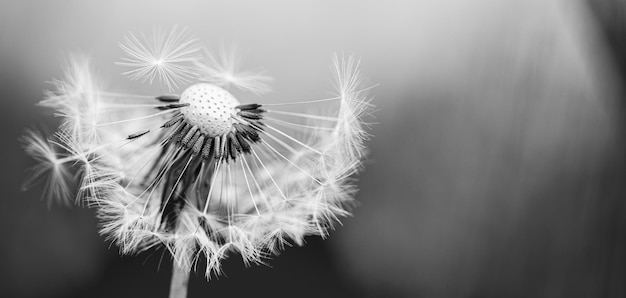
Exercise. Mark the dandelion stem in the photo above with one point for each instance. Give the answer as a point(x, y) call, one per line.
point(180, 280)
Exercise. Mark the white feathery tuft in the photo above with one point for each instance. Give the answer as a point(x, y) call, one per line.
point(224, 70)
point(49, 166)
point(169, 57)
point(354, 105)
point(76, 98)
point(132, 226)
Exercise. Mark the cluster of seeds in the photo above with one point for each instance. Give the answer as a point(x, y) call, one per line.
point(209, 127)
point(203, 174)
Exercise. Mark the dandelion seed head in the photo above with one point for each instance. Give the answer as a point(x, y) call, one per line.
point(201, 172)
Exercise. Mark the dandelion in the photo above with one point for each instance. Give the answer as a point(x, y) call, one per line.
point(202, 172)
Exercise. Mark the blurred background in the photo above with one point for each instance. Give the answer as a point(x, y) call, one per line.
point(497, 165)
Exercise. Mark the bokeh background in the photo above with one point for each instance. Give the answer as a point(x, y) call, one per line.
point(497, 164)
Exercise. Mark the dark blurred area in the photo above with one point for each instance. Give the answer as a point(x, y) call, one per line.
point(497, 165)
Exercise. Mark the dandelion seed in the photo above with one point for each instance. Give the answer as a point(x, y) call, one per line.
point(224, 70)
point(168, 57)
point(57, 179)
point(206, 174)
point(76, 98)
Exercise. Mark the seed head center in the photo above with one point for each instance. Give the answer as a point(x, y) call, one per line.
point(210, 108)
